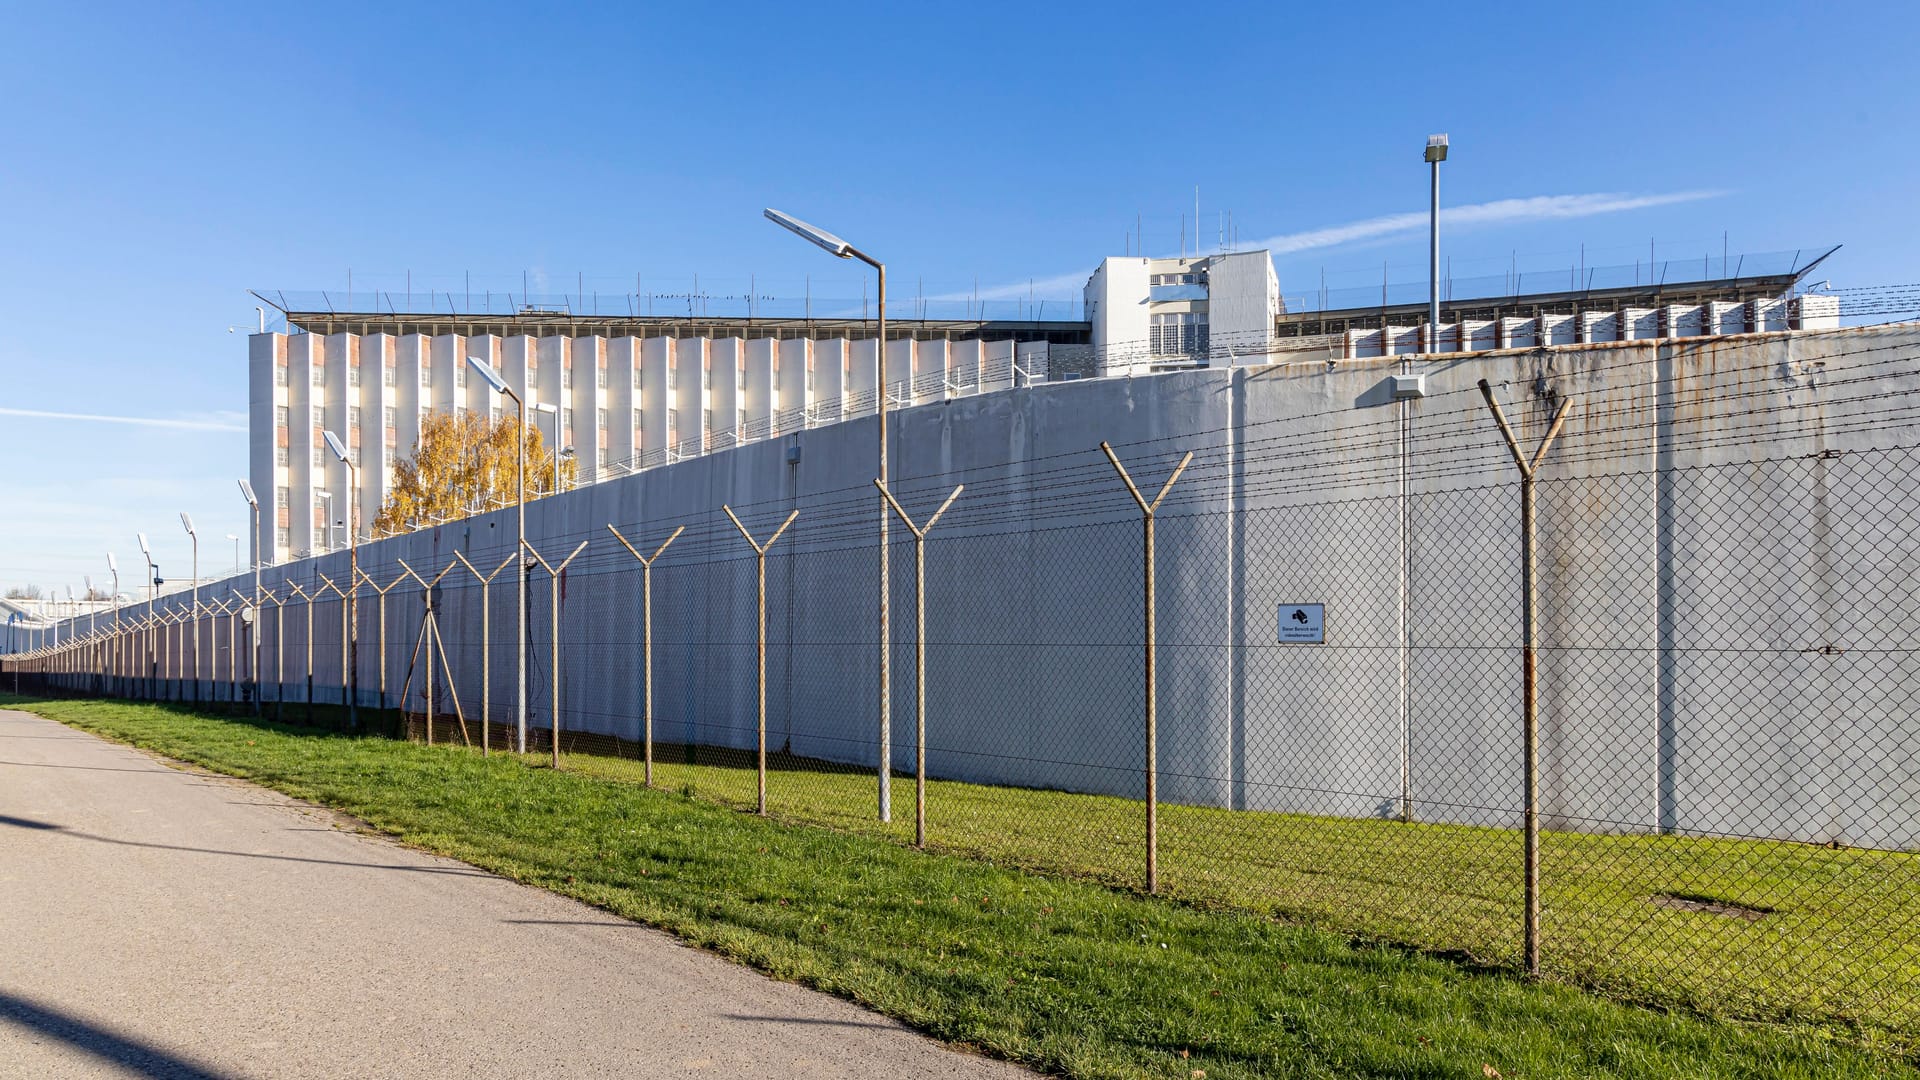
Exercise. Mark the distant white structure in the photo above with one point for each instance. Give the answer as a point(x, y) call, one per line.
point(1159, 314)
point(632, 394)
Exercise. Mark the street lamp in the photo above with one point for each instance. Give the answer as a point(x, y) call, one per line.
point(499, 386)
point(841, 249)
point(253, 632)
point(1436, 153)
point(113, 566)
point(235, 537)
point(353, 580)
point(153, 579)
point(553, 411)
point(187, 522)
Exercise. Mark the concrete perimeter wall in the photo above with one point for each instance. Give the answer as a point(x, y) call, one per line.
point(1723, 531)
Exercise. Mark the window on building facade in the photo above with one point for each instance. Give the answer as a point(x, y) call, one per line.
point(389, 375)
point(600, 379)
point(566, 376)
point(282, 456)
point(319, 454)
point(389, 416)
point(279, 374)
point(319, 375)
point(319, 413)
point(280, 502)
point(353, 417)
point(671, 380)
point(460, 376)
point(636, 376)
point(600, 424)
point(280, 536)
point(281, 416)
point(1180, 333)
point(353, 374)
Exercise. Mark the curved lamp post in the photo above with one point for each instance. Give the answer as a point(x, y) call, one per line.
point(839, 248)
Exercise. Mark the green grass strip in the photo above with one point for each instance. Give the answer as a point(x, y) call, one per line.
point(1057, 972)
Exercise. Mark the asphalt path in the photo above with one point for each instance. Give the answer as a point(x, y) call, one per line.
point(162, 922)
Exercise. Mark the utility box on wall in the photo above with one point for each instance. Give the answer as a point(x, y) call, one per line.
point(1408, 386)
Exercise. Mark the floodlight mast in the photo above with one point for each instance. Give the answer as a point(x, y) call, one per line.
point(1436, 153)
point(841, 249)
point(499, 386)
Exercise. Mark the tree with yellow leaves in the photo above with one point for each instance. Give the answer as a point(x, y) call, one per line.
point(464, 464)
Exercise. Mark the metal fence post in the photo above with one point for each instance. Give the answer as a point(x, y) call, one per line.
point(646, 617)
point(1529, 613)
point(919, 653)
point(486, 663)
point(1152, 755)
point(760, 560)
point(553, 586)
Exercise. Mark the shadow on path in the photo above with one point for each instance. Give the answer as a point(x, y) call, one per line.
point(126, 1052)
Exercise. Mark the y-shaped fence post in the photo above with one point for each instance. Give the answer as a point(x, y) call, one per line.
point(760, 558)
point(486, 662)
point(1152, 757)
point(1529, 613)
point(919, 654)
point(646, 608)
point(553, 586)
point(381, 638)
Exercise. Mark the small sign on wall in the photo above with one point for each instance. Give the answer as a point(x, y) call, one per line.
point(1303, 624)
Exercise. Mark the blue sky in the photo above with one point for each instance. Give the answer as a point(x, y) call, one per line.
point(156, 163)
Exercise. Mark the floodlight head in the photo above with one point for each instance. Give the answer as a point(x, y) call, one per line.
point(814, 235)
point(113, 564)
point(334, 444)
point(87, 579)
point(69, 592)
point(246, 492)
point(323, 493)
point(233, 536)
point(486, 371)
point(1437, 147)
point(186, 521)
point(142, 537)
point(543, 407)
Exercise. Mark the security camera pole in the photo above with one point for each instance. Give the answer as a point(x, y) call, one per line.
point(253, 635)
point(500, 386)
point(353, 580)
point(841, 249)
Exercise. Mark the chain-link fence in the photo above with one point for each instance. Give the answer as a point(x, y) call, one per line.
point(1602, 669)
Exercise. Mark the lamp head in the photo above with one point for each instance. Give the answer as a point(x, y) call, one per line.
point(334, 444)
point(187, 522)
point(1437, 147)
point(811, 233)
point(113, 564)
point(543, 407)
point(246, 492)
point(491, 376)
point(142, 537)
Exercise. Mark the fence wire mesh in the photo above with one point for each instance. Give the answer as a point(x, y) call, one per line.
point(1725, 781)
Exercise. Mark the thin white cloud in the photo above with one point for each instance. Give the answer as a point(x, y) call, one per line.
point(1498, 212)
point(218, 422)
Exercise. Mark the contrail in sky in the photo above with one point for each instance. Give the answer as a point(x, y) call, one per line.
point(1498, 212)
point(143, 421)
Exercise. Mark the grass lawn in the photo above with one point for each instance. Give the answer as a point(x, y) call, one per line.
point(1055, 970)
point(1820, 936)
